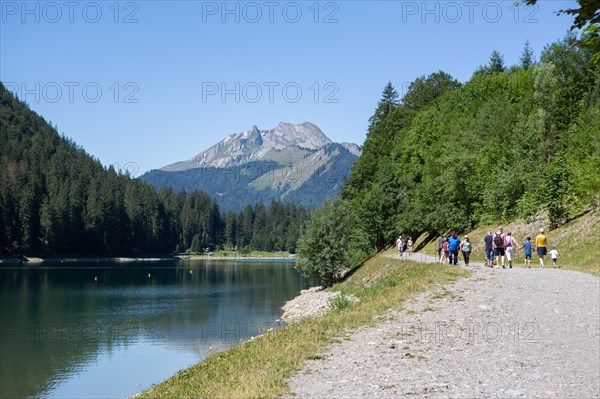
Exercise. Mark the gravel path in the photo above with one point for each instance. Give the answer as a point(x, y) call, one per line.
point(501, 333)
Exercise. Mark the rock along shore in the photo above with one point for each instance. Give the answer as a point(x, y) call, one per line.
point(310, 303)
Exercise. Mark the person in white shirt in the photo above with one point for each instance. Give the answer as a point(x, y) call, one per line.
point(400, 245)
point(553, 256)
point(510, 244)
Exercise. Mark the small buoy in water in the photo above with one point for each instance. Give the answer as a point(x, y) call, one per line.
point(95, 279)
point(190, 272)
point(148, 275)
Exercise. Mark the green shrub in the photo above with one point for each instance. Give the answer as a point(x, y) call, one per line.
point(340, 302)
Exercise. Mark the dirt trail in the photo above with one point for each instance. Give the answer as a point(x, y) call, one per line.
point(500, 333)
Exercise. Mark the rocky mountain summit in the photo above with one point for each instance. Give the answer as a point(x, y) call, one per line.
point(291, 162)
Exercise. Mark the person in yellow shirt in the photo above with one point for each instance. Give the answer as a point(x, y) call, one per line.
point(540, 244)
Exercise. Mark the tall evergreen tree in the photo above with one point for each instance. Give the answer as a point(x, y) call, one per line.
point(388, 103)
point(496, 63)
point(231, 229)
point(527, 58)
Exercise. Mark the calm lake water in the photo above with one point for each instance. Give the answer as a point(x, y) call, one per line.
point(62, 335)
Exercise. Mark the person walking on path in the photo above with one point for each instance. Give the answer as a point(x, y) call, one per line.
point(540, 247)
point(528, 247)
point(400, 246)
point(499, 247)
point(510, 244)
point(453, 246)
point(466, 250)
point(409, 246)
point(439, 247)
point(553, 256)
point(488, 241)
point(446, 249)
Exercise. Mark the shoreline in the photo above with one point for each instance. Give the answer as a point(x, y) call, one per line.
point(238, 258)
point(32, 260)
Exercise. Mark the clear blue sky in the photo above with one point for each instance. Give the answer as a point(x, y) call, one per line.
point(149, 83)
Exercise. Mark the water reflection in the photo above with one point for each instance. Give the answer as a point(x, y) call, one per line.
point(62, 334)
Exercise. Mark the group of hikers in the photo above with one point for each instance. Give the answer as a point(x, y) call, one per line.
point(498, 247)
point(400, 245)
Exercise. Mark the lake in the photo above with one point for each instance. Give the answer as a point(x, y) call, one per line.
point(65, 335)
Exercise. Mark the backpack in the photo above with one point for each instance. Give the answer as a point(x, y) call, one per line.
point(498, 240)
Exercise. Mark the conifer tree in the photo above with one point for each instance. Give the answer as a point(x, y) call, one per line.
point(527, 58)
point(388, 103)
point(496, 62)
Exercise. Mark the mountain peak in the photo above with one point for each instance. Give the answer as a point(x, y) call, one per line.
point(254, 144)
point(305, 135)
point(290, 162)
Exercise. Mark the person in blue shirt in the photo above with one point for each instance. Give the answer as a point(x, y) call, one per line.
point(453, 246)
point(528, 247)
point(488, 241)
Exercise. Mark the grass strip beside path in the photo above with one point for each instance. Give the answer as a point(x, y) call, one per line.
point(259, 368)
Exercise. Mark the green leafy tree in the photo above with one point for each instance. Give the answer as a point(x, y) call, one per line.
point(575, 75)
point(546, 88)
point(583, 152)
point(557, 190)
point(331, 242)
point(590, 39)
point(426, 89)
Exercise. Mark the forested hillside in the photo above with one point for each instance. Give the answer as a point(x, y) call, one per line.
point(508, 143)
point(55, 199)
point(228, 185)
